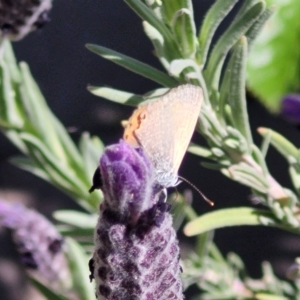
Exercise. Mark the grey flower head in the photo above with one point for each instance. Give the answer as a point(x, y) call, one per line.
point(136, 251)
point(19, 17)
point(38, 242)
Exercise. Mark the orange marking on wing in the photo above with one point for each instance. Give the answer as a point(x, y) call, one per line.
point(132, 125)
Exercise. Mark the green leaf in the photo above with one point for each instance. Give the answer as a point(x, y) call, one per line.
point(226, 218)
point(76, 232)
point(10, 60)
point(28, 165)
point(38, 113)
point(258, 26)
point(170, 8)
point(147, 15)
point(212, 20)
point(183, 26)
point(78, 263)
point(246, 175)
point(177, 67)
point(59, 173)
point(267, 296)
point(237, 29)
point(281, 144)
point(233, 90)
point(133, 65)
point(274, 63)
point(199, 150)
point(212, 166)
point(46, 291)
point(116, 95)
point(91, 149)
point(76, 218)
point(9, 111)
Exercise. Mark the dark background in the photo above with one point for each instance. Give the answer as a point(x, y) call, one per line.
point(63, 68)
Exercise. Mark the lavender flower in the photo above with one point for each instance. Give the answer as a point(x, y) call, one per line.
point(19, 17)
point(136, 251)
point(38, 242)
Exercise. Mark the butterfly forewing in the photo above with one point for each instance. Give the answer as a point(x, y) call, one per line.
point(164, 127)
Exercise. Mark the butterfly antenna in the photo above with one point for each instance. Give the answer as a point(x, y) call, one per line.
point(211, 203)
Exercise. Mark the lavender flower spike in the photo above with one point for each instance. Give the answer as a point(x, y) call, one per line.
point(39, 244)
point(136, 251)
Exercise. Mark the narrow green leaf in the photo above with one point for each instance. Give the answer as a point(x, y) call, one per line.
point(212, 166)
point(10, 60)
point(9, 112)
point(265, 296)
point(260, 159)
point(75, 232)
point(49, 294)
point(199, 150)
point(76, 218)
point(28, 165)
point(170, 8)
point(91, 149)
point(72, 155)
point(226, 218)
point(183, 26)
point(246, 175)
point(158, 43)
point(147, 15)
point(14, 137)
point(233, 91)
point(78, 263)
point(212, 20)
point(133, 65)
point(281, 144)
point(37, 111)
point(177, 67)
point(116, 95)
point(237, 29)
point(61, 175)
point(257, 27)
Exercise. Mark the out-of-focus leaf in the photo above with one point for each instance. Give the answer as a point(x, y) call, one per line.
point(281, 144)
point(49, 294)
point(133, 65)
point(116, 95)
point(274, 62)
point(265, 296)
point(76, 218)
point(199, 150)
point(28, 165)
point(227, 217)
point(78, 263)
point(91, 149)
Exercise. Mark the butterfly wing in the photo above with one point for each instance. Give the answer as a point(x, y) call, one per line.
point(164, 127)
